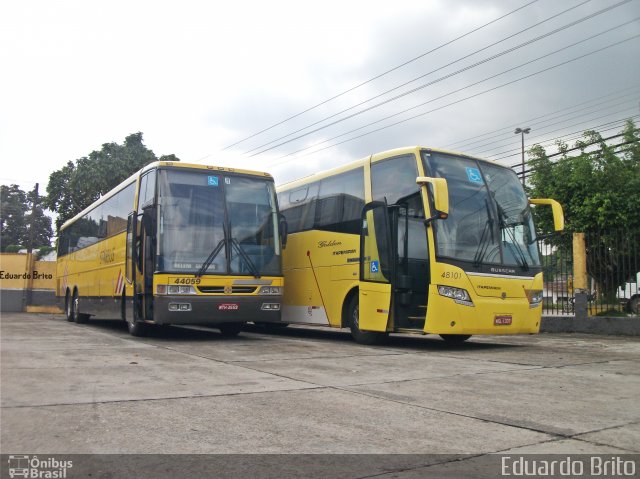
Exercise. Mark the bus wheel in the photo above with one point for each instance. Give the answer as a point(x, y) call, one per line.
point(361, 337)
point(230, 329)
point(78, 317)
point(136, 328)
point(455, 338)
point(271, 326)
point(68, 306)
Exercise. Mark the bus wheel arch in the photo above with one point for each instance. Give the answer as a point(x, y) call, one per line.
point(346, 318)
point(361, 337)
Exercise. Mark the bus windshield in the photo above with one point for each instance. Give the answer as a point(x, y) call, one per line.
point(215, 223)
point(489, 220)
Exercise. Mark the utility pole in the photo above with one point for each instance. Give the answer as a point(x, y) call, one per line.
point(28, 292)
point(522, 132)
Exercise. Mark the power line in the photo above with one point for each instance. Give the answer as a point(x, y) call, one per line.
point(454, 102)
point(618, 124)
point(600, 150)
point(508, 130)
point(475, 151)
point(381, 74)
point(533, 40)
point(436, 81)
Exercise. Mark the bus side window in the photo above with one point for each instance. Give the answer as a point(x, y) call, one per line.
point(394, 178)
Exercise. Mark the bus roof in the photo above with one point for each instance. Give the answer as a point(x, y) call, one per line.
point(157, 164)
point(375, 157)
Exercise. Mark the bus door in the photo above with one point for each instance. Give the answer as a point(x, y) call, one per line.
point(410, 255)
point(146, 250)
point(376, 268)
point(146, 261)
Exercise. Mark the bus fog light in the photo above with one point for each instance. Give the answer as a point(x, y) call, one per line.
point(270, 290)
point(179, 306)
point(460, 296)
point(179, 289)
point(270, 307)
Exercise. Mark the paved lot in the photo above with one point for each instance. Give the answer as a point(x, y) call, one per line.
point(68, 388)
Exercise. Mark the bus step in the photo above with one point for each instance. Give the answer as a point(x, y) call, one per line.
point(422, 306)
point(416, 318)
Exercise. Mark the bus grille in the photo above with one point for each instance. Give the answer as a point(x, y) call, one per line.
point(234, 289)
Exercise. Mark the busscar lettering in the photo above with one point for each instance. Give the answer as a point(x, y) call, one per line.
point(108, 255)
point(344, 251)
point(326, 244)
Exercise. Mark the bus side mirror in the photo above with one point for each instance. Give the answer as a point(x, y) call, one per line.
point(284, 230)
point(440, 191)
point(556, 209)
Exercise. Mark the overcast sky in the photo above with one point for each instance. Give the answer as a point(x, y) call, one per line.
point(195, 77)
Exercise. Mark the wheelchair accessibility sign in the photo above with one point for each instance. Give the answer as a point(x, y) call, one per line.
point(375, 267)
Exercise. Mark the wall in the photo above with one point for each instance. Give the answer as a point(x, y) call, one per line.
point(16, 276)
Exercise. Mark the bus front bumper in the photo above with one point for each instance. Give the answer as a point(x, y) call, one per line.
point(487, 316)
point(193, 309)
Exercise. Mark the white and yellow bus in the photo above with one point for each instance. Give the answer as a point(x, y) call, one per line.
point(176, 244)
point(413, 240)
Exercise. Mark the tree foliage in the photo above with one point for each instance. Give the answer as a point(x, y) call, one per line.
point(78, 184)
point(16, 218)
point(599, 189)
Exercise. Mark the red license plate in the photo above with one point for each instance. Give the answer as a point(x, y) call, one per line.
point(502, 320)
point(228, 307)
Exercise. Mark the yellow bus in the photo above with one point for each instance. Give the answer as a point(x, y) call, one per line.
point(413, 240)
point(176, 243)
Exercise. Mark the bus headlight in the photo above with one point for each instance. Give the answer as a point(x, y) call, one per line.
point(459, 295)
point(270, 290)
point(535, 298)
point(174, 289)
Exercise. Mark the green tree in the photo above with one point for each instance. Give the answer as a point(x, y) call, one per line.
point(13, 208)
point(15, 218)
point(599, 189)
point(78, 184)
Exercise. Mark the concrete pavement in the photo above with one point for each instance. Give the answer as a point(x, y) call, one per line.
point(68, 388)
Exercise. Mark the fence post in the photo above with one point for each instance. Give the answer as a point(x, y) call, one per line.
point(581, 291)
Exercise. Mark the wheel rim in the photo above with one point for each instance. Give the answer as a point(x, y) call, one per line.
point(355, 316)
point(76, 302)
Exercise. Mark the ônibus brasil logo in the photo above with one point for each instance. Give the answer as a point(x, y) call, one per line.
point(33, 467)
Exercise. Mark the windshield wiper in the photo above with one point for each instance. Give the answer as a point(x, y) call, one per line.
point(514, 246)
point(216, 251)
point(485, 239)
point(243, 254)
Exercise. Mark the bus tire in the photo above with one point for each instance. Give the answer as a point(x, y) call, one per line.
point(455, 338)
point(229, 330)
point(68, 306)
point(78, 317)
point(271, 326)
point(361, 337)
point(136, 328)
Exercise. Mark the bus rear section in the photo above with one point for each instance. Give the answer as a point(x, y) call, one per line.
point(201, 245)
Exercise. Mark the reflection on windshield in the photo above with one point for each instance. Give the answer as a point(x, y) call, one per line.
point(489, 217)
point(217, 224)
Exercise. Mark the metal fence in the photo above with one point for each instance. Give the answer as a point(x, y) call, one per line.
point(613, 268)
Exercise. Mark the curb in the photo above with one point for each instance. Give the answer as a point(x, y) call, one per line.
point(592, 325)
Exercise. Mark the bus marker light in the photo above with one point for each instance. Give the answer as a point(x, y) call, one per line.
point(179, 306)
point(270, 307)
